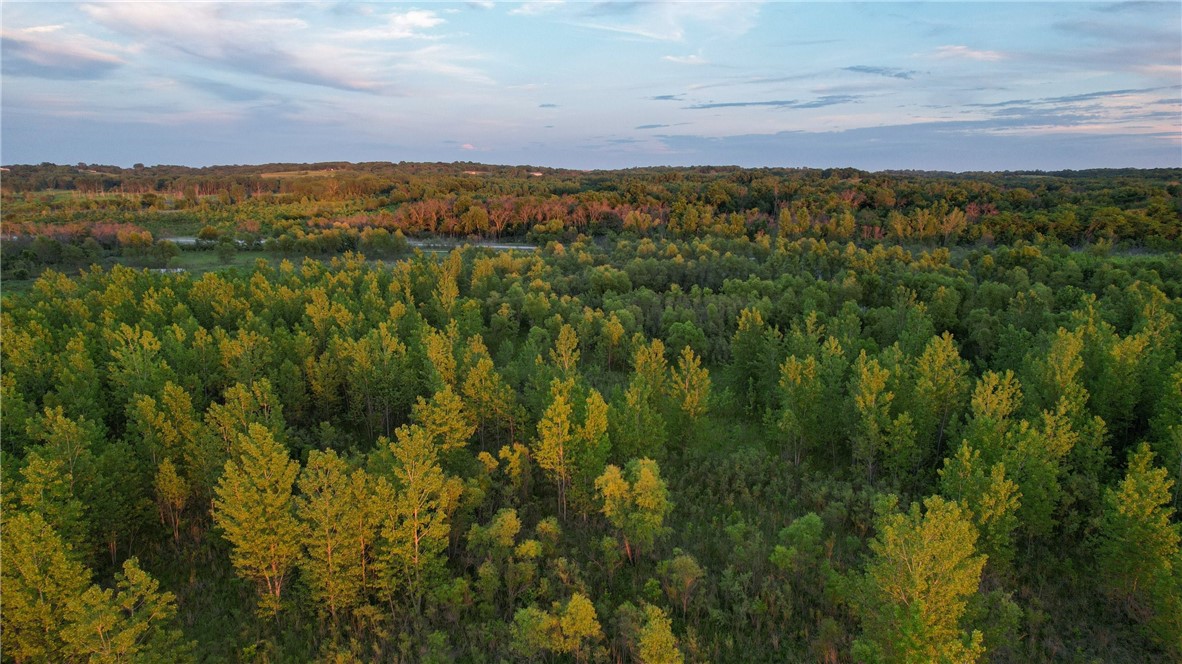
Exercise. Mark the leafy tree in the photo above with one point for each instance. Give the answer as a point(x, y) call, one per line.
point(551, 449)
point(590, 447)
point(132, 624)
point(493, 401)
point(752, 346)
point(656, 644)
point(253, 506)
point(1139, 548)
point(679, 576)
point(565, 354)
point(941, 385)
point(691, 384)
point(78, 383)
point(136, 366)
point(924, 569)
point(46, 489)
point(172, 493)
point(872, 402)
point(41, 578)
point(446, 419)
point(989, 496)
point(636, 502)
point(333, 563)
point(415, 525)
point(578, 628)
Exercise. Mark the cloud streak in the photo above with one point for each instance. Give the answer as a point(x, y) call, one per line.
point(46, 52)
point(819, 102)
point(889, 72)
point(966, 53)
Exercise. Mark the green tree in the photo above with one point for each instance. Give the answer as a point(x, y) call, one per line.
point(565, 354)
point(445, 418)
point(989, 496)
point(636, 502)
point(493, 401)
point(41, 578)
point(172, 493)
point(254, 508)
point(130, 623)
point(691, 384)
point(415, 525)
point(755, 352)
point(1139, 548)
point(941, 385)
point(679, 576)
point(590, 447)
point(333, 561)
point(552, 447)
point(924, 569)
point(872, 402)
point(656, 644)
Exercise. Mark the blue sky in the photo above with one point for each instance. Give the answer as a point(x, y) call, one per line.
point(876, 85)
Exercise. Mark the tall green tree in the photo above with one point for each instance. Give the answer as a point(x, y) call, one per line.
point(1138, 548)
point(657, 644)
point(941, 387)
point(912, 599)
point(990, 497)
point(333, 562)
point(130, 623)
point(417, 507)
point(691, 384)
point(253, 506)
point(636, 502)
point(590, 447)
point(41, 576)
point(552, 446)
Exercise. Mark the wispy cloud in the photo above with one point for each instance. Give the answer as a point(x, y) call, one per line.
point(536, 7)
point(251, 44)
point(829, 100)
point(966, 53)
point(48, 52)
point(783, 103)
point(820, 102)
point(224, 91)
point(685, 59)
point(889, 72)
point(400, 25)
point(667, 98)
point(547, 105)
point(671, 20)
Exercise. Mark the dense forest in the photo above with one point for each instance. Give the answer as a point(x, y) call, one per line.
point(715, 415)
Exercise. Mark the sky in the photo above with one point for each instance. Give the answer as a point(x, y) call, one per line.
point(875, 85)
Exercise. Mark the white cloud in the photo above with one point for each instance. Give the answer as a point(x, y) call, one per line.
point(966, 53)
point(401, 25)
point(537, 7)
point(685, 59)
point(249, 39)
point(673, 20)
point(50, 52)
point(42, 28)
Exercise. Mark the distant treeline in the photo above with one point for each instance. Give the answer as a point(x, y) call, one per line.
point(1143, 207)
